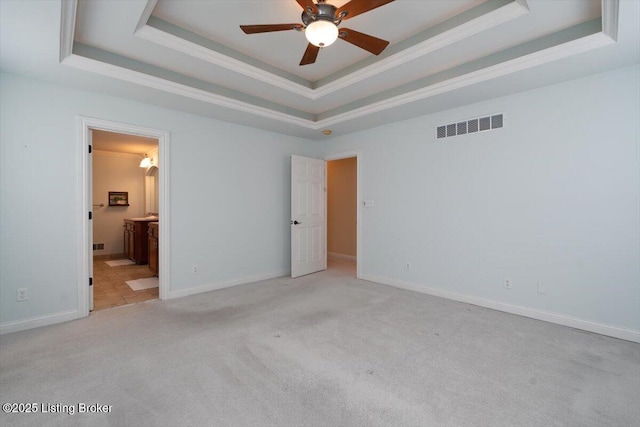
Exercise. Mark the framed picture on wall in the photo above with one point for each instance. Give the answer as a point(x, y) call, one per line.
point(118, 198)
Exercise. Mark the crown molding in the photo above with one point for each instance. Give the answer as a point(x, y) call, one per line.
point(610, 18)
point(131, 76)
point(211, 56)
point(518, 64)
point(607, 36)
point(146, 14)
point(468, 29)
point(465, 30)
point(67, 27)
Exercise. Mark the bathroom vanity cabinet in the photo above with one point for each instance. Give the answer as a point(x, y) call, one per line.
point(153, 247)
point(136, 241)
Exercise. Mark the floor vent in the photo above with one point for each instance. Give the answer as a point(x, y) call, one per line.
point(480, 124)
point(98, 246)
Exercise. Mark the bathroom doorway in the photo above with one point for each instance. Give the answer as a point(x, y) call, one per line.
point(343, 213)
point(130, 196)
point(125, 223)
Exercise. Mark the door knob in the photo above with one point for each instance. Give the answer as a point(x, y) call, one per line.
point(295, 222)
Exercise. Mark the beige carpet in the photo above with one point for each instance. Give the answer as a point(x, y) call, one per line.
point(321, 350)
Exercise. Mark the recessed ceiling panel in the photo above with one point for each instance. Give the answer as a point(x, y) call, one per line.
point(220, 20)
point(196, 50)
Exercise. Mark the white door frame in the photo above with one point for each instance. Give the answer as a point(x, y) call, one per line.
point(85, 254)
point(347, 155)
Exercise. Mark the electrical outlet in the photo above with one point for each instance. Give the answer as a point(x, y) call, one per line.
point(195, 269)
point(407, 266)
point(507, 283)
point(22, 294)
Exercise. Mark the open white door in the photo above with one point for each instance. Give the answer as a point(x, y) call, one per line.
point(90, 230)
point(308, 216)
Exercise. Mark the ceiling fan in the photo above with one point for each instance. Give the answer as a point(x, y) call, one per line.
point(320, 23)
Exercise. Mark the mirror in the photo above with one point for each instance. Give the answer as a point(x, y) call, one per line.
point(151, 191)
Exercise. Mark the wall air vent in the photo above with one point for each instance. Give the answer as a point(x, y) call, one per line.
point(480, 124)
point(98, 246)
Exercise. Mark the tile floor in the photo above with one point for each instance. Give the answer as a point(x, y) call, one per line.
point(110, 289)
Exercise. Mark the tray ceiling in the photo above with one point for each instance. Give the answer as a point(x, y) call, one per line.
point(393, 22)
point(192, 56)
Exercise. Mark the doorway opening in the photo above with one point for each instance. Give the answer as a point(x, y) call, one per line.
point(343, 211)
point(125, 231)
point(123, 241)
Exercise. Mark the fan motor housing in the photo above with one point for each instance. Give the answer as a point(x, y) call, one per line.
point(326, 12)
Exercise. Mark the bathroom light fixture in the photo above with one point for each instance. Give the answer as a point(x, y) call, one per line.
point(321, 33)
point(146, 162)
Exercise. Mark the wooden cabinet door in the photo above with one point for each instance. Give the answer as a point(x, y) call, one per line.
point(153, 255)
point(132, 245)
point(136, 246)
point(127, 251)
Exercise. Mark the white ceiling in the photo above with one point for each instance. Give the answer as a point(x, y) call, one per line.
point(192, 55)
point(122, 143)
point(393, 22)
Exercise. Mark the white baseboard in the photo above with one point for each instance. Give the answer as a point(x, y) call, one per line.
point(227, 284)
point(560, 319)
point(36, 322)
point(341, 256)
point(65, 316)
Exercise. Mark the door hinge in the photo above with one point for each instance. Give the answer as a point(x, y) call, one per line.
point(90, 215)
point(89, 149)
point(90, 281)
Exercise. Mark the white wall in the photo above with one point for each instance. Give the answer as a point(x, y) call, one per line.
point(554, 197)
point(115, 172)
point(230, 199)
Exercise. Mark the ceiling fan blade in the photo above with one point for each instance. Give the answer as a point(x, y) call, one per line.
point(364, 41)
point(310, 55)
point(254, 29)
point(308, 4)
point(356, 7)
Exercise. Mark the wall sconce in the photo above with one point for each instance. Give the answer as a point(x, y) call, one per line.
point(146, 162)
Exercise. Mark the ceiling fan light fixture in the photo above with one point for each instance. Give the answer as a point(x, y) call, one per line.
point(320, 21)
point(321, 33)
